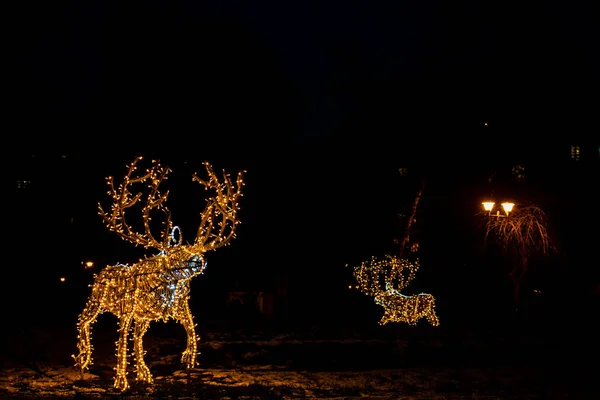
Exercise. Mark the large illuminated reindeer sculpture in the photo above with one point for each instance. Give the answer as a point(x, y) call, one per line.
point(383, 279)
point(156, 287)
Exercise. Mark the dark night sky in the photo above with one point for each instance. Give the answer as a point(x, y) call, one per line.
point(278, 71)
point(320, 101)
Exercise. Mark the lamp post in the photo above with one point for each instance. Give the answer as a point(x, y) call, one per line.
point(519, 235)
point(490, 206)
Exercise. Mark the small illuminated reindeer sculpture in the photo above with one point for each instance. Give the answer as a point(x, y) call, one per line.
point(156, 287)
point(384, 279)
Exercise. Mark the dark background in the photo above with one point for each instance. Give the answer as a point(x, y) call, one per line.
point(321, 103)
point(268, 72)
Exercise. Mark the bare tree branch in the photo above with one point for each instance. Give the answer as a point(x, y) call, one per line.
point(411, 218)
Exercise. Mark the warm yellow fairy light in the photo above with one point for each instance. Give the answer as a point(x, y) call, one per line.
point(383, 279)
point(156, 287)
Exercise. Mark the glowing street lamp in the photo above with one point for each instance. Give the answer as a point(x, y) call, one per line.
point(507, 207)
point(490, 205)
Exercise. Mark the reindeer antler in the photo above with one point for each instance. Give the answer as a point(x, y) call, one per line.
point(219, 218)
point(123, 199)
point(378, 275)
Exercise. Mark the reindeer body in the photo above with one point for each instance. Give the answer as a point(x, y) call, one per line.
point(399, 307)
point(148, 291)
point(156, 290)
point(157, 287)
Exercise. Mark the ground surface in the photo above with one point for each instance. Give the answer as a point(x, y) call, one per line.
point(316, 361)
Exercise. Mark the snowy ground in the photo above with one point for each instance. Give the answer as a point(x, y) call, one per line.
point(391, 362)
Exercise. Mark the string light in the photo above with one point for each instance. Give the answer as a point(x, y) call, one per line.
point(383, 279)
point(156, 287)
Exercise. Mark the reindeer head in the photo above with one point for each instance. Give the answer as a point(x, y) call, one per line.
point(218, 220)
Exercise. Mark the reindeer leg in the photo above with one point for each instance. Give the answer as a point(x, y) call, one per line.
point(91, 311)
point(189, 355)
point(432, 315)
point(121, 378)
point(143, 372)
point(433, 319)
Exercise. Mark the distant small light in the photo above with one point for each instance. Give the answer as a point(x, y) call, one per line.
point(62, 279)
point(485, 123)
point(89, 264)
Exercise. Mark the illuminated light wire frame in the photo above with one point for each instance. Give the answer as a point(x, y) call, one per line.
point(156, 287)
point(383, 279)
